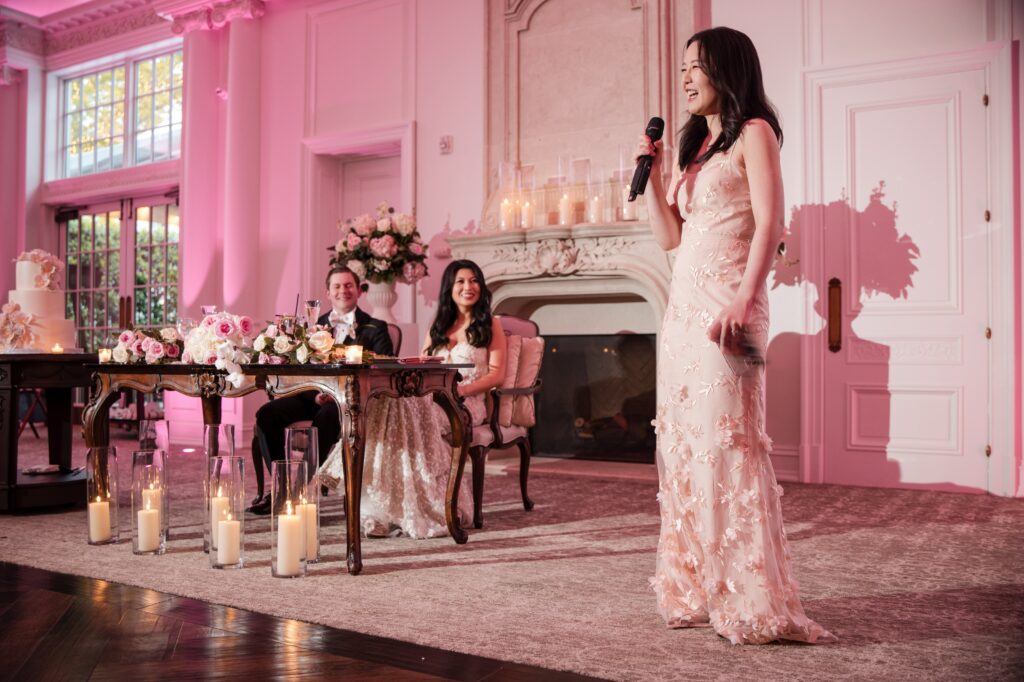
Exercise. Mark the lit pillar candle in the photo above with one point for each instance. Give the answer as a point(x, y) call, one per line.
point(508, 215)
point(308, 512)
point(105, 354)
point(628, 207)
point(564, 210)
point(353, 355)
point(151, 498)
point(149, 529)
point(527, 217)
point(218, 511)
point(57, 348)
point(291, 542)
point(99, 520)
point(595, 210)
point(229, 541)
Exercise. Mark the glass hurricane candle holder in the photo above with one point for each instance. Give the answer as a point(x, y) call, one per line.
point(219, 440)
point(301, 445)
point(149, 502)
point(287, 526)
point(225, 520)
point(101, 494)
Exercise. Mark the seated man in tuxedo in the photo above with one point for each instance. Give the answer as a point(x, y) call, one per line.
point(351, 326)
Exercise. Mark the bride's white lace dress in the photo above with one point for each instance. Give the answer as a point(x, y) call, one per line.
point(407, 461)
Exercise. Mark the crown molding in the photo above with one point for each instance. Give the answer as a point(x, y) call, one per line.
point(21, 32)
point(207, 15)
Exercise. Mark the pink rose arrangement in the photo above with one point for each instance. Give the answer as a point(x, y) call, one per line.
point(381, 248)
point(313, 345)
point(224, 341)
point(16, 328)
point(50, 266)
point(152, 347)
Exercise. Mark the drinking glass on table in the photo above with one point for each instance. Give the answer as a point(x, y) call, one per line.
point(185, 325)
point(312, 311)
point(208, 309)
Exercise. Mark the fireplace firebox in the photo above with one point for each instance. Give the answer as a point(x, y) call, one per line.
point(598, 397)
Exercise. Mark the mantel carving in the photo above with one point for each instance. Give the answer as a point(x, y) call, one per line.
point(211, 16)
point(562, 262)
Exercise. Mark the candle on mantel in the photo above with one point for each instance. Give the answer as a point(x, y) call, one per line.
point(57, 348)
point(353, 355)
point(527, 217)
point(291, 542)
point(595, 210)
point(218, 511)
point(307, 511)
point(564, 210)
point(508, 215)
point(149, 529)
point(105, 354)
point(152, 498)
point(628, 207)
point(99, 520)
point(229, 542)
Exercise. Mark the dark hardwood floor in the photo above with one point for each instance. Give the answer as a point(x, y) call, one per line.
point(62, 627)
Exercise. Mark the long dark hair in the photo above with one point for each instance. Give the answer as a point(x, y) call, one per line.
point(730, 61)
point(479, 331)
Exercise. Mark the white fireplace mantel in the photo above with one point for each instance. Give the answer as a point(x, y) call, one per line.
point(570, 263)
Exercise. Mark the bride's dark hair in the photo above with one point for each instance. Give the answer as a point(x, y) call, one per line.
point(729, 59)
point(480, 327)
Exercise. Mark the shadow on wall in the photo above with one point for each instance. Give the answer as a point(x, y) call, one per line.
point(863, 247)
point(439, 254)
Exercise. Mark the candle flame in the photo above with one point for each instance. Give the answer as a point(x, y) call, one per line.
point(152, 485)
point(57, 348)
point(229, 516)
point(219, 494)
point(289, 507)
point(99, 499)
point(147, 504)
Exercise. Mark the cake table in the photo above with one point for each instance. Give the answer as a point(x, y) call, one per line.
point(57, 373)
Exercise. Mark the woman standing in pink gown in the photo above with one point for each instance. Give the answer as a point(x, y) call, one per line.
point(722, 557)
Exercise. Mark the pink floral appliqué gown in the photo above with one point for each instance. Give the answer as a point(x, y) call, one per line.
point(407, 460)
point(722, 557)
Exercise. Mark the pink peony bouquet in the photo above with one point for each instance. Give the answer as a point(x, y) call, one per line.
point(148, 346)
point(381, 248)
point(275, 346)
point(224, 341)
point(50, 265)
point(16, 328)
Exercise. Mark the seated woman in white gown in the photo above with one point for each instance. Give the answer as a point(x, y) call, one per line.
point(407, 461)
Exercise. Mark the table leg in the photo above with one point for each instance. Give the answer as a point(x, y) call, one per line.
point(58, 424)
point(8, 443)
point(460, 447)
point(96, 416)
point(353, 450)
point(211, 417)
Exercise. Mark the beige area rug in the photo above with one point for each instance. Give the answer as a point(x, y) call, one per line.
point(916, 585)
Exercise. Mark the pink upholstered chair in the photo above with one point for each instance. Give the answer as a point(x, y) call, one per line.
point(512, 410)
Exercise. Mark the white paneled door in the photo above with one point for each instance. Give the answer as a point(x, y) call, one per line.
point(904, 161)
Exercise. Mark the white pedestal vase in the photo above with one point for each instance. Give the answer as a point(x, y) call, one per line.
point(382, 297)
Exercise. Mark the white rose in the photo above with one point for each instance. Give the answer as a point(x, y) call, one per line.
point(169, 334)
point(260, 343)
point(120, 353)
point(302, 354)
point(281, 344)
point(321, 341)
point(384, 225)
point(405, 224)
point(357, 267)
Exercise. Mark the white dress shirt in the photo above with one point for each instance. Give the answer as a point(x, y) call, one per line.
point(344, 324)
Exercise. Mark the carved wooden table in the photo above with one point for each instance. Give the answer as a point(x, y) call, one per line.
point(352, 387)
point(56, 373)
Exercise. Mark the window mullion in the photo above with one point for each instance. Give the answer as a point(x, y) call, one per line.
point(129, 115)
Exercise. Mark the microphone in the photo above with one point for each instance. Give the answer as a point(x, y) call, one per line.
point(655, 128)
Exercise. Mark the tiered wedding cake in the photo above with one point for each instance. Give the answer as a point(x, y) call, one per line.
point(38, 292)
